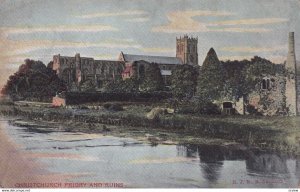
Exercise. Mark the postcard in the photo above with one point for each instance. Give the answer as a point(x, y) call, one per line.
point(149, 94)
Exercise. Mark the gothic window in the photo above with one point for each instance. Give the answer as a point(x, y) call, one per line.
point(266, 84)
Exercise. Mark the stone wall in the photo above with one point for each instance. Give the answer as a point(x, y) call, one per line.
point(268, 97)
point(77, 70)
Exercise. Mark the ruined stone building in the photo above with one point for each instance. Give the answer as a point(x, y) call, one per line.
point(77, 70)
point(276, 90)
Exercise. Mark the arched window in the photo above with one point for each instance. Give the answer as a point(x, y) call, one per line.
point(266, 84)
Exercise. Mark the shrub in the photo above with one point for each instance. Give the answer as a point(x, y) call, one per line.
point(252, 111)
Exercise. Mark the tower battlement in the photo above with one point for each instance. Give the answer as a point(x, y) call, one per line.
point(186, 37)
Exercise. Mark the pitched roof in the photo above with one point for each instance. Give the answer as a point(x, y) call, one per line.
point(152, 59)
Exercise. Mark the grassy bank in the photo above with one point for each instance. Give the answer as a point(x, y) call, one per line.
point(276, 133)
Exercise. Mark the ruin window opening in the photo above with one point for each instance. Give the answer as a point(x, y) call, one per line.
point(227, 105)
point(266, 84)
point(228, 108)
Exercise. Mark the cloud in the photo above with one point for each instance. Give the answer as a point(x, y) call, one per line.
point(14, 52)
point(254, 49)
point(262, 51)
point(183, 21)
point(241, 30)
point(260, 21)
point(23, 47)
point(138, 20)
point(113, 14)
point(57, 29)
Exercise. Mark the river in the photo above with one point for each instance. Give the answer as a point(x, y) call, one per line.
point(97, 158)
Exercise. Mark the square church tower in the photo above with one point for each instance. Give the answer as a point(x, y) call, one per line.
point(186, 50)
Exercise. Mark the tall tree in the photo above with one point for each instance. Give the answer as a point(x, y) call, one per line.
point(33, 81)
point(211, 78)
point(152, 80)
point(184, 81)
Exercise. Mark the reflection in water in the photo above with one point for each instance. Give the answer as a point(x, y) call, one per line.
point(259, 163)
point(137, 164)
point(211, 159)
point(266, 163)
point(298, 166)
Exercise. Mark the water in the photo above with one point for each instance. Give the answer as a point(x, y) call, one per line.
point(98, 158)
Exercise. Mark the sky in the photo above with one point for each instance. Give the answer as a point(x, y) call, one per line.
point(236, 29)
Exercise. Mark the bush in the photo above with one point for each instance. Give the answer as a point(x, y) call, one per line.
point(252, 111)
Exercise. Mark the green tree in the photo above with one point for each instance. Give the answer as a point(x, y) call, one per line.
point(33, 81)
point(211, 78)
point(152, 80)
point(130, 85)
point(184, 81)
point(88, 85)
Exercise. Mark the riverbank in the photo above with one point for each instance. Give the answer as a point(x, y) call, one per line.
point(272, 133)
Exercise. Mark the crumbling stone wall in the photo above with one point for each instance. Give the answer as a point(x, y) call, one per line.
point(77, 70)
point(269, 99)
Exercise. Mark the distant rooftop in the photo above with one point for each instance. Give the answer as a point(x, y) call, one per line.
point(152, 59)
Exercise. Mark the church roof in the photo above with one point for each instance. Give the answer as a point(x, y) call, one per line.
point(152, 59)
